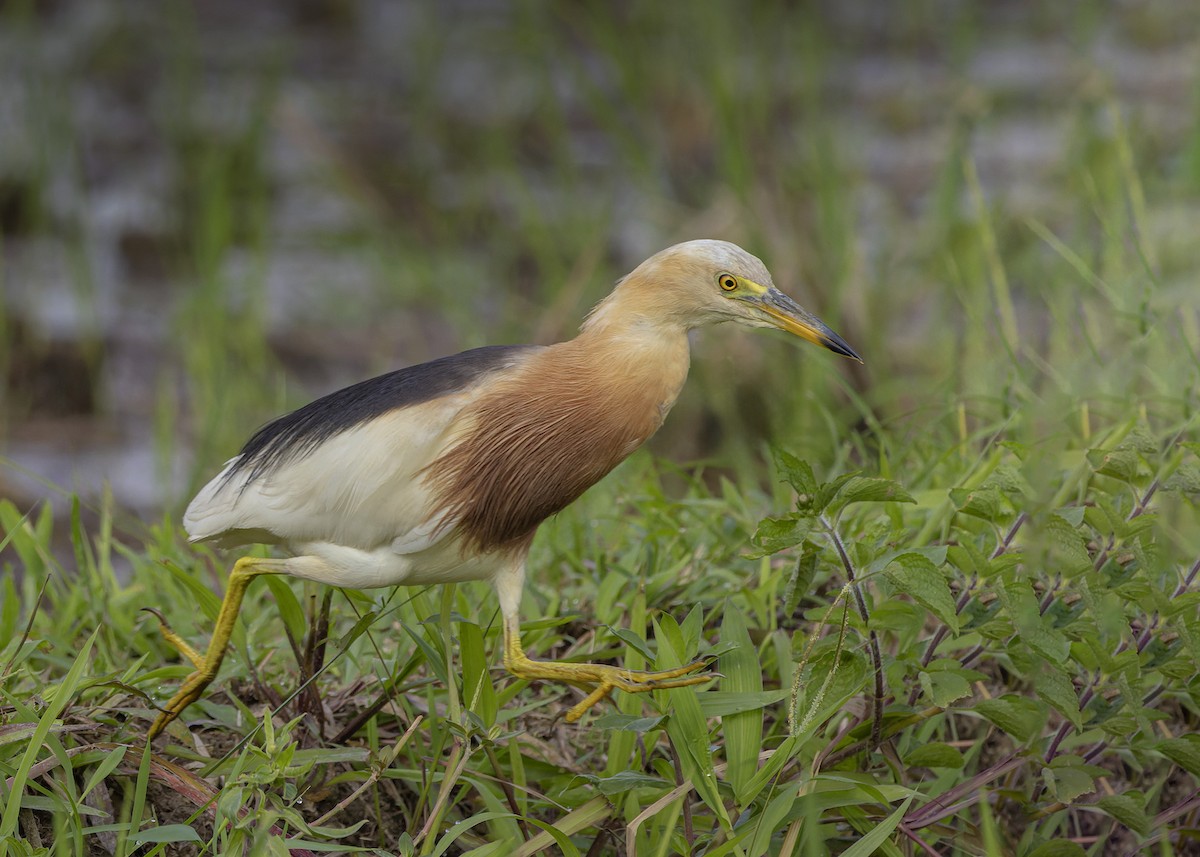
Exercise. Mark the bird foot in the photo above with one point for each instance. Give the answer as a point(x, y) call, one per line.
point(193, 686)
point(180, 644)
point(191, 690)
point(604, 678)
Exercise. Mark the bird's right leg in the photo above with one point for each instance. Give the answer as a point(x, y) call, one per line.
point(599, 679)
point(244, 570)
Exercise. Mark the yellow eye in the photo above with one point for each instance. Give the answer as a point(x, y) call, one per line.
point(727, 282)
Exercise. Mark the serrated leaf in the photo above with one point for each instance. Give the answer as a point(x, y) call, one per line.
point(1184, 752)
point(1032, 628)
point(1055, 687)
point(1119, 725)
point(1186, 478)
point(1018, 716)
point(914, 575)
point(796, 472)
point(826, 491)
point(1140, 440)
point(850, 676)
point(936, 554)
point(868, 489)
point(944, 688)
point(1068, 547)
point(986, 502)
point(1120, 463)
point(935, 755)
point(1058, 848)
point(776, 534)
point(1067, 778)
point(800, 581)
point(1127, 811)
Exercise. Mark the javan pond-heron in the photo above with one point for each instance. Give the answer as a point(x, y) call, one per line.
point(442, 472)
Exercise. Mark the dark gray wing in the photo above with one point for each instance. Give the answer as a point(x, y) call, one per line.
point(298, 433)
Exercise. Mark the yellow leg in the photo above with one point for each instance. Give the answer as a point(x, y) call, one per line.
point(244, 570)
point(602, 678)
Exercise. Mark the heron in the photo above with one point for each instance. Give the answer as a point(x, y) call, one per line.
point(442, 472)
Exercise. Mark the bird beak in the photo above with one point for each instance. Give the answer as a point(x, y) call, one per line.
point(786, 314)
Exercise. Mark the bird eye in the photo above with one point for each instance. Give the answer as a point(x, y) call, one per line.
point(727, 282)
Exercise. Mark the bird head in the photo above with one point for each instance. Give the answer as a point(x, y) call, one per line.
point(707, 282)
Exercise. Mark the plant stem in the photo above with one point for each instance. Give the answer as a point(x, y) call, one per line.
point(873, 639)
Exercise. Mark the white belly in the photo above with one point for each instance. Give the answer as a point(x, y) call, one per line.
point(338, 565)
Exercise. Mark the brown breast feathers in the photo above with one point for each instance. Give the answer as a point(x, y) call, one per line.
point(546, 434)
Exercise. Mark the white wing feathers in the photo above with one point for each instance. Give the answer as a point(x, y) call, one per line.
point(360, 488)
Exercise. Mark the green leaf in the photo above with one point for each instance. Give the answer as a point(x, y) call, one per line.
point(1186, 478)
point(743, 675)
point(1125, 809)
point(1120, 463)
point(1119, 725)
point(826, 491)
point(943, 687)
point(776, 534)
point(1058, 848)
point(868, 489)
point(65, 693)
point(1067, 546)
point(772, 818)
point(1073, 515)
point(1055, 687)
point(1184, 752)
point(818, 701)
point(1067, 778)
point(628, 722)
point(797, 473)
point(879, 834)
point(625, 781)
point(1031, 627)
point(914, 575)
point(479, 694)
point(456, 830)
point(800, 580)
point(1018, 716)
point(288, 606)
point(166, 833)
point(633, 641)
point(718, 703)
point(935, 755)
point(10, 609)
point(686, 726)
point(987, 502)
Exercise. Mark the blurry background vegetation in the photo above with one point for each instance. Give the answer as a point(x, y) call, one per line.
point(213, 212)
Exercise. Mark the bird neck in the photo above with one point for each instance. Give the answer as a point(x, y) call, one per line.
point(622, 344)
point(640, 305)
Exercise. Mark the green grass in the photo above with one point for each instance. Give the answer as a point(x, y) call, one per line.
point(953, 594)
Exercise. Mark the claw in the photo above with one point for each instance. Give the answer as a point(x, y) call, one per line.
point(181, 645)
point(161, 619)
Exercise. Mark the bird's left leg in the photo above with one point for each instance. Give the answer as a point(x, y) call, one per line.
point(244, 570)
point(601, 678)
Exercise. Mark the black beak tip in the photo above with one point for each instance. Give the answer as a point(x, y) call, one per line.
point(839, 346)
